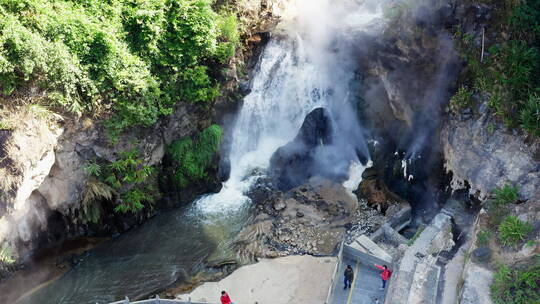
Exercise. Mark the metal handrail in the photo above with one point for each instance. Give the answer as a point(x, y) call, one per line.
point(157, 300)
point(334, 275)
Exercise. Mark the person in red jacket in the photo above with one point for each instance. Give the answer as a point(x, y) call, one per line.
point(385, 274)
point(225, 299)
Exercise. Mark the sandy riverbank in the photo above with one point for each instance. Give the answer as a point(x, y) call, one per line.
point(286, 280)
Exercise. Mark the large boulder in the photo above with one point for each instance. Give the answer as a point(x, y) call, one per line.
point(293, 164)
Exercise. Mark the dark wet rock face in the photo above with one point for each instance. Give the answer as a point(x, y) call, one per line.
point(375, 191)
point(316, 129)
point(293, 164)
point(408, 80)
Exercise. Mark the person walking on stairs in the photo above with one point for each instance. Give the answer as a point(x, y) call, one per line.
point(385, 274)
point(348, 277)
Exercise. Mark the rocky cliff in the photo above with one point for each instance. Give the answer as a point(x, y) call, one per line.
point(482, 156)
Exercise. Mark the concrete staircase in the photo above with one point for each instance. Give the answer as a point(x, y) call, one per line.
point(416, 279)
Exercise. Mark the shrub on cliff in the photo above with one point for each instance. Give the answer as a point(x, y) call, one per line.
point(461, 100)
point(192, 157)
point(498, 205)
point(135, 59)
point(505, 195)
point(530, 115)
point(512, 231)
point(128, 179)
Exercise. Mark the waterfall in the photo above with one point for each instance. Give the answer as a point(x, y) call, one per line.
point(308, 63)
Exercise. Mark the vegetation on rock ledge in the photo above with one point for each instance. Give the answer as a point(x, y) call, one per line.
point(128, 179)
point(507, 77)
point(193, 156)
point(519, 285)
point(134, 59)
point(511, 230)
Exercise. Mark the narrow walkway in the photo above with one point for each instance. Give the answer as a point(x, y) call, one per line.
point(365, 287)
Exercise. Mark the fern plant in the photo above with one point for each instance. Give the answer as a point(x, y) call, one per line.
point(94, 193)
point(93, 169)
point(134, 180)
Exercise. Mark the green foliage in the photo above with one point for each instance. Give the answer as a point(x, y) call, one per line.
point(228, 36)
point(130, 177)
point(530, 243)
point(508, 75)
point(93, 169)
point(526, 19)
point(530, 115)
point(95, 192)
point(512, 231)
point(498, 205)
point(461, 100)
point(192, 157)
point(482, 238)
point(517, 286)
point(145, 22)
point(508, 194)
point(136, 58)
point(198, 85)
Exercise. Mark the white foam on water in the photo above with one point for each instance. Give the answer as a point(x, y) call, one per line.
point(355, 176)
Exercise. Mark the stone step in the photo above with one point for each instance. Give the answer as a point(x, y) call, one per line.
point(366, 245)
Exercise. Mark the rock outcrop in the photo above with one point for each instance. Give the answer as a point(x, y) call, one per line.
point(375, 191)
point(484, 158)
point(294, 163)
point(28, 156)
point(45, 161)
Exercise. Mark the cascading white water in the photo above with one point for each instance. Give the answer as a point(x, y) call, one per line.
point(306, 64)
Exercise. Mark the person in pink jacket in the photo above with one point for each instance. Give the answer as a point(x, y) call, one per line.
point(225, 299)
point(385, 274)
